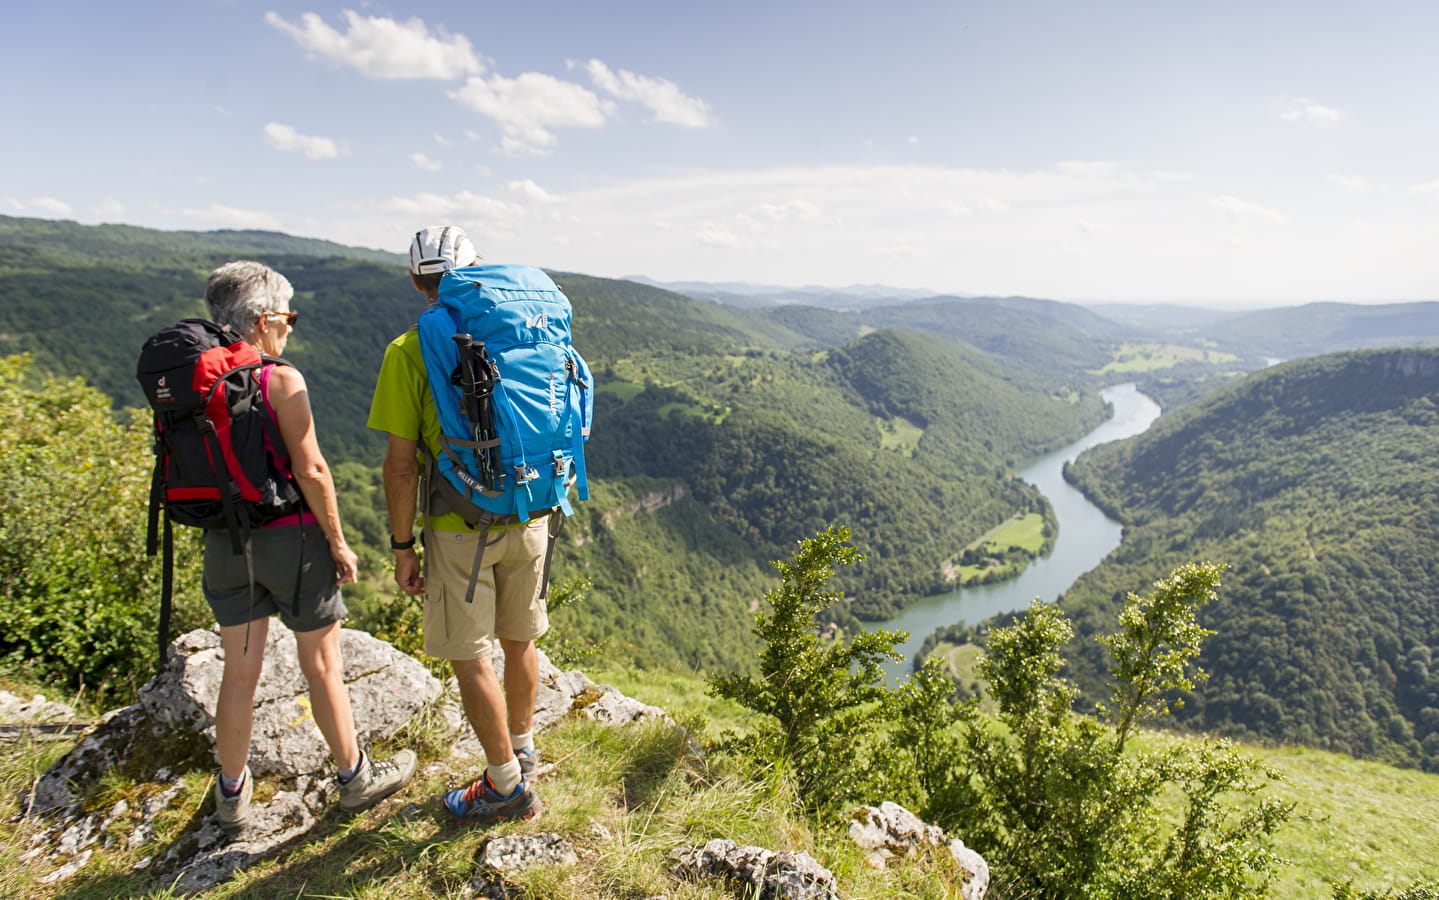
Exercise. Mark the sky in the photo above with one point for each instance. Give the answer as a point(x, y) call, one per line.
point(1231, 154)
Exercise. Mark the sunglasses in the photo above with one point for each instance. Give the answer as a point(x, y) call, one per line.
point(289, 317)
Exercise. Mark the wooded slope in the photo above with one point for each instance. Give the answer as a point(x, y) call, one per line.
point(1315, 481)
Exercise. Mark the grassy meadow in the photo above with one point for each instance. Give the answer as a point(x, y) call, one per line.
point(625, 798)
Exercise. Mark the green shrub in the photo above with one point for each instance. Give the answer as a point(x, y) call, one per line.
point(79, 601)
point(1061, 805)
point(819, 700)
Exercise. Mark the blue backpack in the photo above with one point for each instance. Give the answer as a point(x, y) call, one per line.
point(513, 397)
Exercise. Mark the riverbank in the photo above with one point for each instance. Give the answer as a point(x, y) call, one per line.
point(1084, 535)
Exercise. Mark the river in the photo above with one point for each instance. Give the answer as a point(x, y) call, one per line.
point(1086, 535)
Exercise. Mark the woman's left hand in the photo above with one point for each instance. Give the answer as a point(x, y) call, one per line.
point(347, 564)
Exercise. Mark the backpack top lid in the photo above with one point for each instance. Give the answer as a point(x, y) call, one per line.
point(179, 364)
point(500, 277)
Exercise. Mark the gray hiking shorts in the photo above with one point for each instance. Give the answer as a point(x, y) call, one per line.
point(289, 561)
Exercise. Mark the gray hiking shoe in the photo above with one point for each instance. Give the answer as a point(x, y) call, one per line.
point(529, 759)
point(232, 812)
point(376, 780)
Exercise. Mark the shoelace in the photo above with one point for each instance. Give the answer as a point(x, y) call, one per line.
point(477, 790)
point(383, 766)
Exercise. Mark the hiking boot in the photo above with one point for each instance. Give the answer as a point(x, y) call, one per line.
point(233, 811)
point(376, 780)
point(529, 759)
point(481, 804)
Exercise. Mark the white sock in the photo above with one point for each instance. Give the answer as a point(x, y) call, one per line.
point(231, 786)
point(505, 776)
point(524, 741)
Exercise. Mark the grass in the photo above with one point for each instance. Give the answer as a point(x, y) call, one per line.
point(1025, 532)
point(624, 391)
point(627, 797)
point(899, 434)
point(1151, 357)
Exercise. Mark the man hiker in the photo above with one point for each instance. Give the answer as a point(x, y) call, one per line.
point(508, 597)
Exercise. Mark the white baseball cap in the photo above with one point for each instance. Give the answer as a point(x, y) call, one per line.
point(440, 248)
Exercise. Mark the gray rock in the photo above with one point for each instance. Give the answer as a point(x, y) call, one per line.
point(208, 857)
point(511, 855)
point(108, 744)
point(890, 830)
point(757, 872)
point(514, 853)
point(15, 709)
point(386, 687)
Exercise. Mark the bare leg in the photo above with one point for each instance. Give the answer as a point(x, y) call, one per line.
point(235, 707)
point(522, 683)
point(484, 704)
point(320, 660)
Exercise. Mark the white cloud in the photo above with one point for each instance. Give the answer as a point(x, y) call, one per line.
point(527, 107)
point(384, 48)
point(899, 252)
point(1243, 209)
point(108, 207)
point(1428, 189)
point(285, 137)
point(50, 205)
point(443, 141)
point(424, 163)
point(1356, 183)
point(531, 191)
point(14, 205)
point(480, 214)
point(789, 211)
point(913, 140)
point(662, 96)
point(1311, 113)
point(217, 215)
point(1089, 168)
point(712, 235)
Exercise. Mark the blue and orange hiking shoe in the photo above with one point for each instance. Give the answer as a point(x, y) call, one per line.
point(481, 804)
point(529, 759)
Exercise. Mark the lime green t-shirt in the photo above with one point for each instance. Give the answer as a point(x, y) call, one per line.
point(403, 406)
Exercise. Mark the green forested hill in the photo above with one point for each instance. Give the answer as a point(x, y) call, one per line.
point(752, 430)
point(1315, 481)
point(1316, 328)
point(1045, 335)
point(111, 243)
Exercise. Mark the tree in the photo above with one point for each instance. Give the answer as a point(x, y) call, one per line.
point(818, 699)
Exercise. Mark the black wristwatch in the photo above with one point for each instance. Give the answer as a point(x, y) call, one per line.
point(402, 545)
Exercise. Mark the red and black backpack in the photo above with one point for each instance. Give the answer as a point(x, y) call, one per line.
point(215, 441)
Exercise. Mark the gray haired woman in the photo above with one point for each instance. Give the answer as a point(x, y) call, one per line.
point(281, 577)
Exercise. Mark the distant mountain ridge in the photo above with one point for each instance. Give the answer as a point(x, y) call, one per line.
point(116, 242)
point(749, 295)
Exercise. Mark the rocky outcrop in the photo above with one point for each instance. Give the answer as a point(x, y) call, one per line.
point(756, 872)
point(889, 830)
point(387, 688)
point(502, 858)
point(650, 503)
